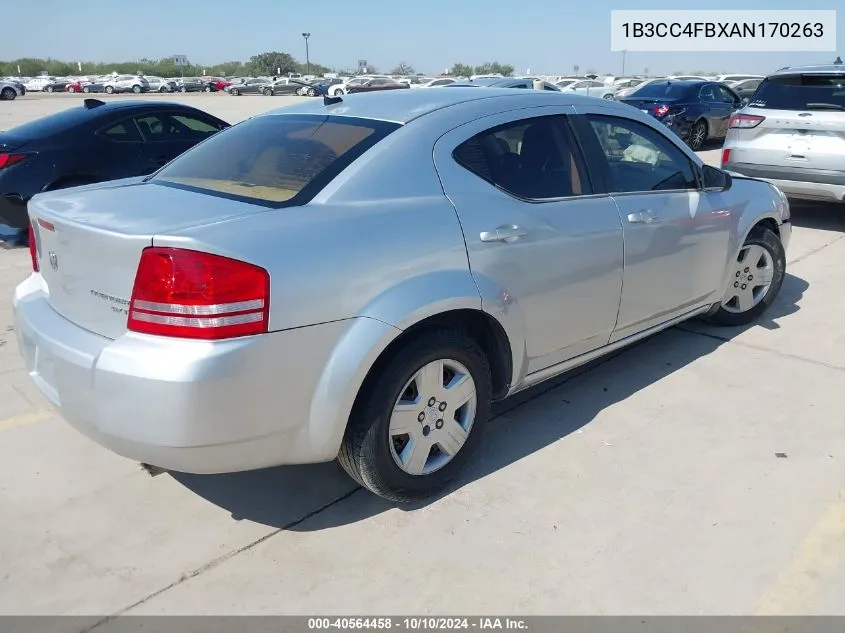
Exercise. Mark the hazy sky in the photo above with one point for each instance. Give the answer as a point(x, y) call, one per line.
point(547, 36)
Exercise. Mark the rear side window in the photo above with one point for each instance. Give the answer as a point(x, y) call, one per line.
point(274, 160)
point(802, 92)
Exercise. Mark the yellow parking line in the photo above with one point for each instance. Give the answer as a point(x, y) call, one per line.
point(26, 418)
point(821, 553)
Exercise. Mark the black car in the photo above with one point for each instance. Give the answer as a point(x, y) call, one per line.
point(93, 142)
point(697, 111)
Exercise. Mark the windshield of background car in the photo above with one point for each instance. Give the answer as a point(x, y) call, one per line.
point(274, 160)
point(663, 90)
point(801, 92)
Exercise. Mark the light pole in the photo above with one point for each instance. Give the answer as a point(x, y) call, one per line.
point(307, 57)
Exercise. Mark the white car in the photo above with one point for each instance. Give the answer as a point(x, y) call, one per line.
point(160, 84)
point(590, 88)
point(439, 82)
point(126, 83)
point(36, 84)
point(341, 89)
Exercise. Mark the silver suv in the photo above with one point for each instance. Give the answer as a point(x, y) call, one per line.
point(792, 133)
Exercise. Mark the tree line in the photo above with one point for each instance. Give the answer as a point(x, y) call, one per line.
point(269, 63)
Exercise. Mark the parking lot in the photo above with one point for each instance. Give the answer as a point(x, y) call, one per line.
point(699, 472)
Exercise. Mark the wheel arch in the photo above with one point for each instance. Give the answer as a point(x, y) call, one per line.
point(374, 336)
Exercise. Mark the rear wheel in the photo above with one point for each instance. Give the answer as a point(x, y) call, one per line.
point(109, 89)
point(136, 89)
point(268, 92)
point(235, 92)
point(207, 89)
point(86, 90)
point(418, 420)
point(756, 278)
point(183, 89)
point(48, 89)
point(312, 92)
point(162, 89)
point(71, 89)
point(698, 134)
point(8, 94)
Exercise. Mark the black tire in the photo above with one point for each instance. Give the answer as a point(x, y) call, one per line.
point(698, 135)
point(136, 89)
point(207, 89)
point(86, 89)
point(183, 89)
point(235, 92)
point(268, 92)
point(109, 90)
point(162, 89)
point(48, 89)
point(8, 94)
point(312, 92)
point(71, 89)
point(768, 240)
point(366, 451)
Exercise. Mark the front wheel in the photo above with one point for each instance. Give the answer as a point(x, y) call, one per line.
point(235, 92)
point(419, 418)
point(755, 279)
point(136, 89)
point(109, 90)
point(312, 92)
point(162, 89)
point(71, 89)
point(48, 89)
point(183, 89)
point(337, 92)
point(8, 94)
point(86, 90)
point(268, 92)
point(207, 89)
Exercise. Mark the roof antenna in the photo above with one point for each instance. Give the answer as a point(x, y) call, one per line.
point(92, 103)
point(327, 100)
point(838, 60)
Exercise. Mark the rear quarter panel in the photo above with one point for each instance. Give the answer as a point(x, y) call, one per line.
point(381, 241)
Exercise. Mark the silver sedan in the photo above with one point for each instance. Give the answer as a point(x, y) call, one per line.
point(360, 278)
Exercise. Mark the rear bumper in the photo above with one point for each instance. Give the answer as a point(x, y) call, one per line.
point(189, 406)
point(808, 184)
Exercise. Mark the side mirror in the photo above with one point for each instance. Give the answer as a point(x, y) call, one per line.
point(715, 179)
point(745, 101)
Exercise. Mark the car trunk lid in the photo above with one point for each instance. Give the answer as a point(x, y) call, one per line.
point(9, 141)
point(89, 241)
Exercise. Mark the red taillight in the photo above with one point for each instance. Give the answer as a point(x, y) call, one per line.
point(190, 294)
point(661, 110)
point(7, 160)
point(33, 248)
point(726, 156)
point(745, 121)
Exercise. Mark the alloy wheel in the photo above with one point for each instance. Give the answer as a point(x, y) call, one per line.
point(433, 417)
point(699, 131)
point(752, 277)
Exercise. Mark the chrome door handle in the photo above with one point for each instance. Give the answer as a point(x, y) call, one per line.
point(642, 217)
point(503, 234)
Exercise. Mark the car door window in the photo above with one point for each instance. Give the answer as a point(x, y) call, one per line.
point(175, 127)
point(531, 159)
point(124, 132)
point(639, 158)
point(708, 94)
point(726, 95)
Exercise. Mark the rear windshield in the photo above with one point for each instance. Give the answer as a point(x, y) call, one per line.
point(274, 160)
point(801, 92)
point(53, 123)
point(663, 90)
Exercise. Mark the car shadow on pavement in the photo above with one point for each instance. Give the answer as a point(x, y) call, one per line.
point(295, 497)
point(823, 216)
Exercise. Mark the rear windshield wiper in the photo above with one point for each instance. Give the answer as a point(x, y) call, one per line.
point(825, 106)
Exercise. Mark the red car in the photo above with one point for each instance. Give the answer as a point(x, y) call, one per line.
point(221, 84)
point(74, 86)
